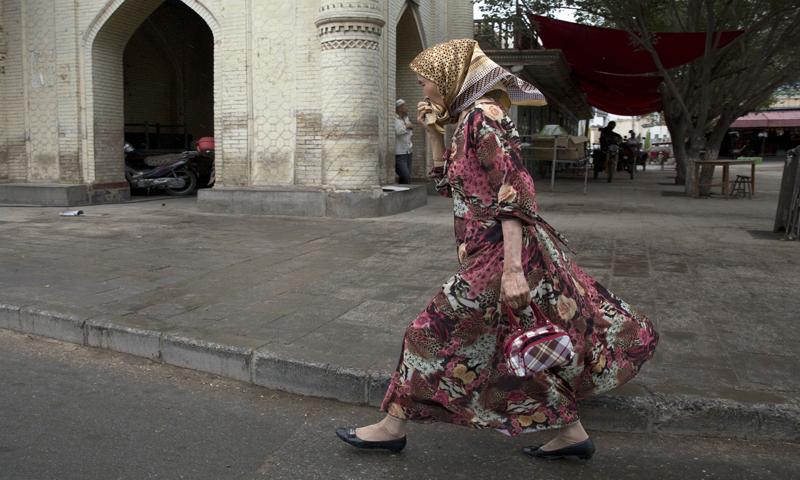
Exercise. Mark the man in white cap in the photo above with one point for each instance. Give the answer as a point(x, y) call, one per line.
point(402, 131)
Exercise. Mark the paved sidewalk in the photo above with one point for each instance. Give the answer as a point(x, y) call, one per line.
point(319, 306)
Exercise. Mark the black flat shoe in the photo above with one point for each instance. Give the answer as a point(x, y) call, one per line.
point(583, 450)
point(349, 436)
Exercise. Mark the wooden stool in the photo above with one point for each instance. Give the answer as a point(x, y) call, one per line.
point(741, 186)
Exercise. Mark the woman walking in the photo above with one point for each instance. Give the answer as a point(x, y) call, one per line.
point(452, 367)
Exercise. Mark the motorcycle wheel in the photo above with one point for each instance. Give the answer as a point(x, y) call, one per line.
point(191, 183)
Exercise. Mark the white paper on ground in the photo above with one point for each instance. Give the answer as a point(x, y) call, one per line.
point(74, 213)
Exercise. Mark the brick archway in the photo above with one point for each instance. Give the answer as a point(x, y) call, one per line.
point(102, 81)
point(410, 42)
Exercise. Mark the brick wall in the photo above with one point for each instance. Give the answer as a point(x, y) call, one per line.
point(275, 64)
point(42, 109)
point(68, 94)
point(271, 92)
point(459, 22)
point(3, 127)
point(308, 153)
point(308, 94)
point(233, 79)
point(107, 88)
point(13, 154)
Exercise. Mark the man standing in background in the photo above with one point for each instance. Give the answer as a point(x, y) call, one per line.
point(402, 130)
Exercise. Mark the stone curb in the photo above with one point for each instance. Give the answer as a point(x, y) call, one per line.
point(251, 360)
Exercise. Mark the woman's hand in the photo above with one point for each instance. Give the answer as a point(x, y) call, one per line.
point(437, 139)
point(514, 289)
point(424, 108)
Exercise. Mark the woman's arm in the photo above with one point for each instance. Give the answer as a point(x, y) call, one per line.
point(437, 142)
point(514, 288)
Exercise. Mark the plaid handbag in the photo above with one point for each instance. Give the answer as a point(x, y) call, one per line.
point(536, 349)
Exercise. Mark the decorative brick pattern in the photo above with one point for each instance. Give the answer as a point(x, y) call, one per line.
point(39, 60)
point(308, 165)
point(359, 43)
point(68, 95)
point(274, 97)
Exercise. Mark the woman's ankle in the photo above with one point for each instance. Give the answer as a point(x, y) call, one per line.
point(390, 428)
point(567, 436)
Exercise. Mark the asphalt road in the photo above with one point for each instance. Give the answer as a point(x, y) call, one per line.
point(69, 412)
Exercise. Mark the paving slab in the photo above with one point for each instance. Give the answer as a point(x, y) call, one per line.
point(319, 305)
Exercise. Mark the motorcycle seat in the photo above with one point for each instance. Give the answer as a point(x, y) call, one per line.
point(163, 160)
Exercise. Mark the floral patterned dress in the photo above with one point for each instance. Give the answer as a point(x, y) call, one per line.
point(452, 367)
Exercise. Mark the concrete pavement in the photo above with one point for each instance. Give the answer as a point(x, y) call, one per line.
point(73, 412)
point(318, 306)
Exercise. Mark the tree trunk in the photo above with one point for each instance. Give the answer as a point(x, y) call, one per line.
point(712, 153)
point(676, 124)
point(706, 176)
point(684, 166)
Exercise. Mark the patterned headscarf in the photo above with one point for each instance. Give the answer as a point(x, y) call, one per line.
point(464, 74)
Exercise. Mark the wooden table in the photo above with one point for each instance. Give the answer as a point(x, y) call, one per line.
point(582, 162)
point(725, 164)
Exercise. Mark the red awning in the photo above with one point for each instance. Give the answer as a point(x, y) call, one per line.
point(612, 93)
point(611, 70)
point(774, 119)
point(630, 104)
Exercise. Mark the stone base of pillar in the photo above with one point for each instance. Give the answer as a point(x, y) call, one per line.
point(63, 195)
point(311, 202)
point(56, 195)
point(109, 193)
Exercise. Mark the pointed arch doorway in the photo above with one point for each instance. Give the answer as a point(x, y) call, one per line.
point(168, 77)
point(409, 45)
point(135, 66)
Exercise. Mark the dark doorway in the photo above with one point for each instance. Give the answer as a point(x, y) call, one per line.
point(169, 80)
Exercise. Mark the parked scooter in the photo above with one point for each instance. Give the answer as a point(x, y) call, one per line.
point(172, 173)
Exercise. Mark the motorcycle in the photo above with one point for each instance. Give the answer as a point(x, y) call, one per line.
point(607, 160)
point(173, 173)
point(628, 160)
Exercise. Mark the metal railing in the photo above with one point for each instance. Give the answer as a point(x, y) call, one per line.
point(148, 130)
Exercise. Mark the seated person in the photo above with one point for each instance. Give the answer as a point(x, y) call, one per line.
point(632, 141)
point(609, 137)
point(741, 149)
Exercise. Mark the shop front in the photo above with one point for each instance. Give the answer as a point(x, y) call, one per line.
point(762, 134)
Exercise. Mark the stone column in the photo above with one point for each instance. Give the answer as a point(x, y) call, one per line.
point(351, 92)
